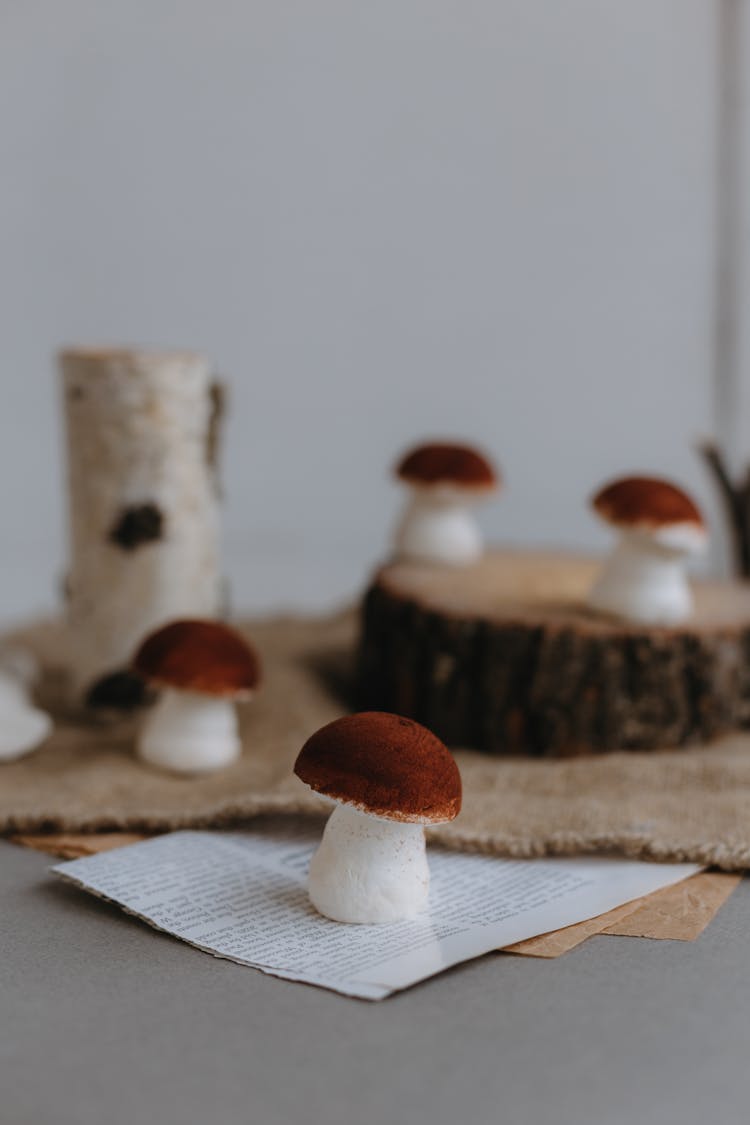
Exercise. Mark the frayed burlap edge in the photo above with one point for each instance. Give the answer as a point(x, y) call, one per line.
point(691, 805)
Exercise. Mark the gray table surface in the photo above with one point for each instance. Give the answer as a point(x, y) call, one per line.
point(106, 1022)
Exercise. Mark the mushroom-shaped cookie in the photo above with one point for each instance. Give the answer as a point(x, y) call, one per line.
point(659, 527)
point(23, 726)
point(202, 667)
point(444, 481)
point(389, 777)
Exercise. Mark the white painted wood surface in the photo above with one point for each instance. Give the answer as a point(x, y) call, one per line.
point(490, 219)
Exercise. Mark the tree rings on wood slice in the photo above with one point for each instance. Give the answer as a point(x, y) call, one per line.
point(504, 656)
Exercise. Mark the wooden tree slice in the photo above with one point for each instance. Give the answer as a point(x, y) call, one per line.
point(504, 656)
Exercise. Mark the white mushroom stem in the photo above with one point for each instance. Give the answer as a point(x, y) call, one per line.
point(369, 870)
point(19, 664)
point(644, 580)
point(22, 726)
point(187, 732)
point(143, 500)
point(439, 527)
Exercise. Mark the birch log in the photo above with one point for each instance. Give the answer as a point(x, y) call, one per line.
point(141, 435)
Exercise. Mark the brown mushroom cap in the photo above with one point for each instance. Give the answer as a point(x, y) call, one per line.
point(201, 656)
point(442, 463)
point(384, 765)
point(646, 502)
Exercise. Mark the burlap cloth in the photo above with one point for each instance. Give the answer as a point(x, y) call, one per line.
point(673, 805)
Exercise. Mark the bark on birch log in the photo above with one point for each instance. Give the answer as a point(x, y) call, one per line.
point(504, 656)
point(141, 437)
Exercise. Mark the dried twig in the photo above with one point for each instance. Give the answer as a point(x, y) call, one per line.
point(736, 498)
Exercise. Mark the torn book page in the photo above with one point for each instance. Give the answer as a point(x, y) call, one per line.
point(243, 896)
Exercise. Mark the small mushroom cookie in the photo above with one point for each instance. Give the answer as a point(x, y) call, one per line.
point(659, 526)
point(22, 729)
point(388, 777)
point(202, 669)
point(445, 481)
point(23, 726)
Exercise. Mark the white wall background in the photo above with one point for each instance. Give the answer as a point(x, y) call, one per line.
point(494, 219)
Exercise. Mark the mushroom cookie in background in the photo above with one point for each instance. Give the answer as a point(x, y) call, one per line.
point(659, 526)
point(23, 727)
point(445, 481)
point(388, 777)
point(202, 668)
